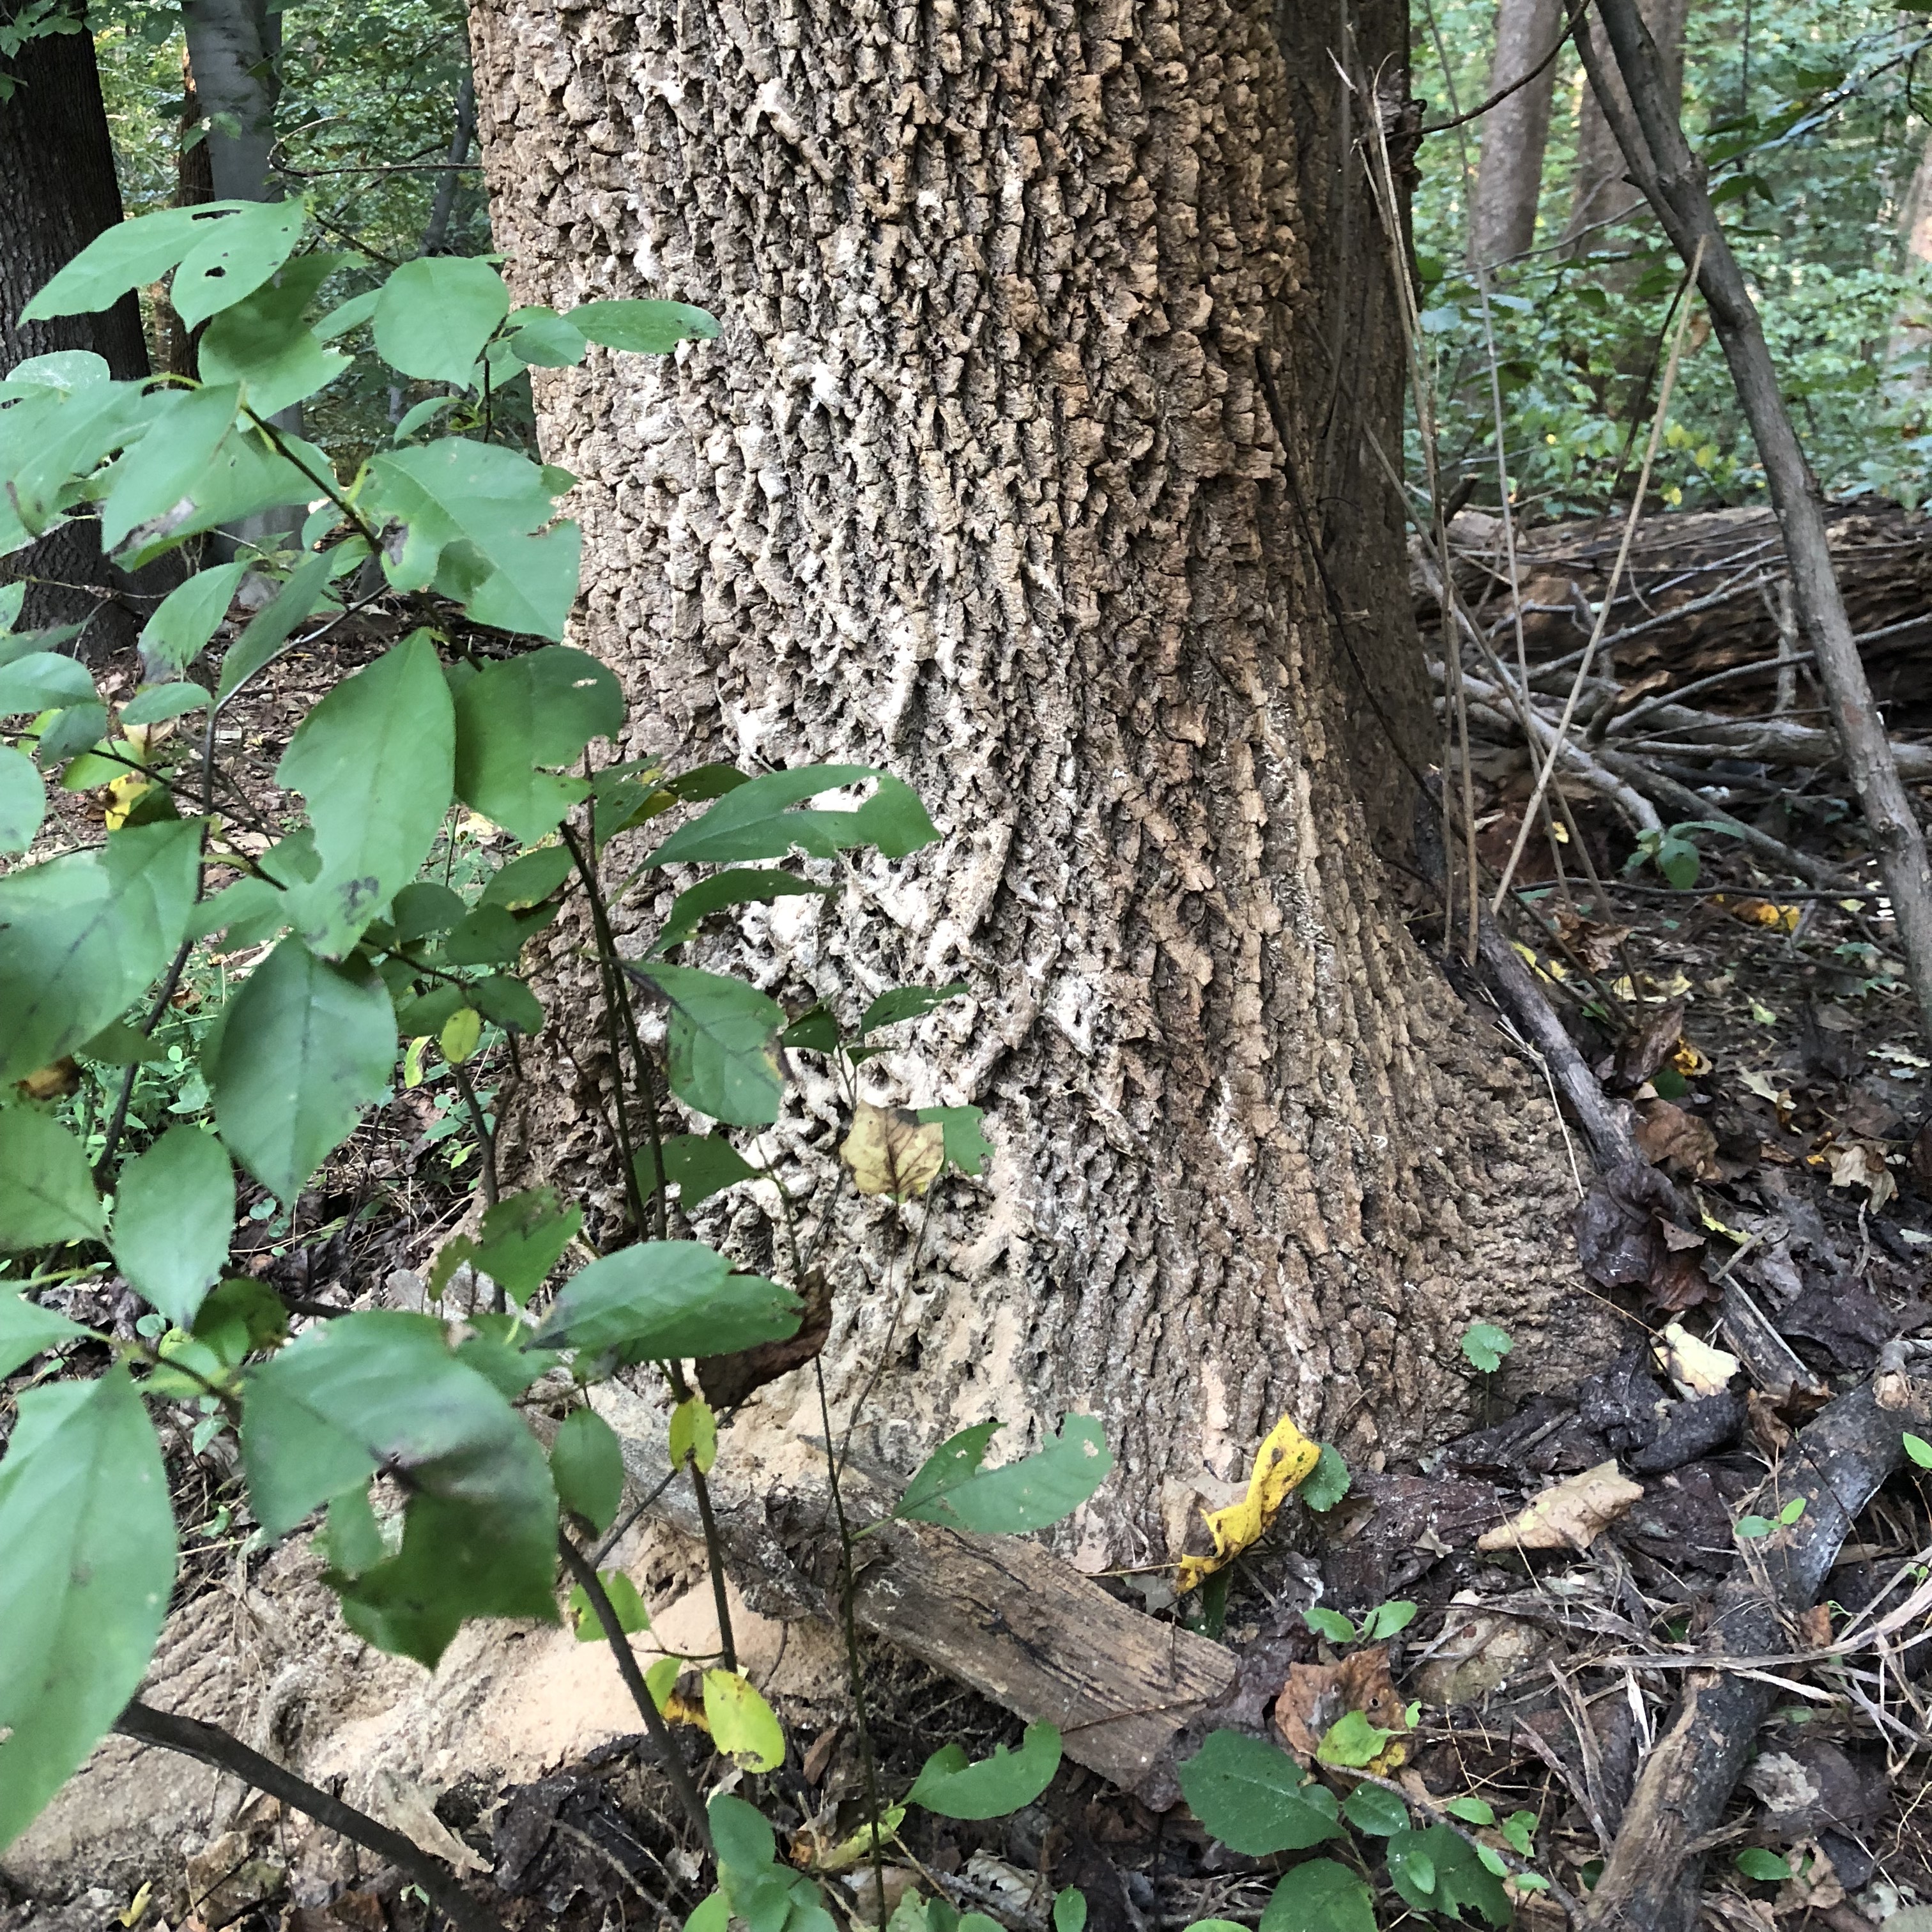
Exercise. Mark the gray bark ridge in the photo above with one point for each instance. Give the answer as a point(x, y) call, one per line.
point(982, 484)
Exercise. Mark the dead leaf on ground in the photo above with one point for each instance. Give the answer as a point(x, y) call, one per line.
point(890, 1151)
point(1568, 1515)
point(1862, 1164)
point(1671, 1138)
point(1317, 1697)
point(1596, 945)
point(1695, 1367)
point(1642, 1052)
point(1284, 1459)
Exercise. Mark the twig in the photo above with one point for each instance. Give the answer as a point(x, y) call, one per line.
point(212, 1746)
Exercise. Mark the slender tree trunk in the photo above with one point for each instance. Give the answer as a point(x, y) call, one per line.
point(1002, 476)
point(58, 191)
point(1911, 337)
point(232, 49)
point(435, 230)
point(194, 185)
point(1509, 176)
point(1599, 193)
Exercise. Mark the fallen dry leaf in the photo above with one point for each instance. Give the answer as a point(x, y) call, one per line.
point(1862, 1164)
point(1568, 1515)
point(1283, 1460)
point(1317, 1697)
point(1672, 1137)
point(890, 1151)
point(1695, 1367)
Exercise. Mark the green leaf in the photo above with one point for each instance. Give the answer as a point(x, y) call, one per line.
point(966, 1147)
point(587, 1465)
point(1327, 1482)
point(1352, 1741)
point(743, 1726)
point(542, 337)
point(434, 314)
point(422, 908)
point(90, 1544)
point(1519, 1829)
point(1318, 1895)
point(1387, 1620)
point(81, 936)
point(693, 1435)
point(468, 512)
point(1918, 1449)
point(174, 1213)
point(1040, 1489)
point(664, 1300)
point(235, 257)
point(523, 1238)
point(23, 799)
point(488, 936)
point(51, 436)
point(242, 1316)
point(541, 709)
point(1764, 1867)
point(1378, 1813)
point(1255, 1798)
point(262, 343)
point(1069, 1910)
point(1485, 1344)
point(906, 1002)
point(74, 730)
point(721, 1043)
point(365, 1392)
point(160, 702)
point(509, 1002)
point(374, 761)
point(952, 1787)
point(304, 1047)
point(1755, 1529)
point(528, 880)
point(1329, 1624)
point(1435, 1870)
point(1471, 1810)
point(632, 1616)
point(248, 475)
point(165, 466)
point(27, 1329)
point(729, 889)
point(128, 256)
point(755, 819)
point(40, 680)
point(187, 617)
point(345, 316)
point(642, 327)
point(264, 634)
point(699, 1165)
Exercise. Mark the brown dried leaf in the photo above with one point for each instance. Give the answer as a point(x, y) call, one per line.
point(889, 1151)
point(1862, 1164)
point(1318, 1696)
point(1568, 1515)
point(1642, 1052)
point(1673, 1139)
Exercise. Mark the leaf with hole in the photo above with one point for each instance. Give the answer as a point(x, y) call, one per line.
point(165, 466)
point(954, 1788)
point(128, 255)
point(90, 1544)
point(174, 1214)
point(1436, 1871)
point(1255, 1798)
point(952, 1489)
point(262, 343)
point(231, 258)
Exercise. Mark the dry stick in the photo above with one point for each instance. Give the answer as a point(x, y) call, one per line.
point(592, 1584)
point(1651, 1878)
point(212, 1746)
point(1671, 179)
point(1610, 595)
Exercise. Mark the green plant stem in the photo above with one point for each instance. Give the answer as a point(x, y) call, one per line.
point(212, 1746)
point(586, 1579)
point(486, 1140)
point(855, 1669)
point(103, 1168)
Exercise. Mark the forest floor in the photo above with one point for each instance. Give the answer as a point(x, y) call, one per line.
point(1765, 1042)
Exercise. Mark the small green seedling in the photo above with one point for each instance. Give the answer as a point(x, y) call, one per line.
point(1485, 1344)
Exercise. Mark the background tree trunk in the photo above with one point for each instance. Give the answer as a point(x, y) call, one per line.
point(1000, 477)
point(58, 191)
point(1910, 336)
point(1598, 192)
point(232, 49)
point(1509, 175)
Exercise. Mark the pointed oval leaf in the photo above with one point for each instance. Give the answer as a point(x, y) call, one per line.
point(23, 799)
point(757, 820)
point(160, 702)
point(742, 1725)
point(586, 1463)
point(951, 1786)
point(1319, 1895)
point(28, 1330)
point(664, 1300)
point(304, 1046)
point(169, 461)
point(90, 1544)
point(1256, 1798)
point(40, 680)
point(721, 1043)
point(128, 256)
point(642, 327)
point(174, 1213)
point(1039, 1489)
point(434, 315)
point(263, 344)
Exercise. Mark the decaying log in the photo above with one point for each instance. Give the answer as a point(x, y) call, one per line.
point(1001, 1614)
point(1652, 1879)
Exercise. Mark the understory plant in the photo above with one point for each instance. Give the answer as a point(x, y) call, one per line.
point(341, 956)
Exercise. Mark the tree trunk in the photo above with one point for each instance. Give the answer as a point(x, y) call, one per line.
point(1599, 194)
point(1906, 352)
point(1031, 464)
point(1509, 176)
point(58, 191)
point(232, 49)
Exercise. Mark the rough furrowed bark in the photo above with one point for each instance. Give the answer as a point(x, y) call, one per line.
point(985, 482)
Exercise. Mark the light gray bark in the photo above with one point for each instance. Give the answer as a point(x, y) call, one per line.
point(1599, 193)
point(231, 46)
point(1515, 132)
point(999, 477)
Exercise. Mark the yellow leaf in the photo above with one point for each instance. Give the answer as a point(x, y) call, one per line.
point(137, 1906)
point(889, 1152)
point(742, 1723)
point(694, 1432)
point(461, 1032)
point(50, 1082)
point(804, 1849)
point(121, 794)
point(1282, 1463)
point(1695, 1367)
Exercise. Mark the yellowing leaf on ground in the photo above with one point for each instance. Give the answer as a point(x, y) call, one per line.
point(804, 1850)
point(890, 1151)
point(1695, 1367)
point(1568, 1515)
point(742, 1725)
point(1283, 1462)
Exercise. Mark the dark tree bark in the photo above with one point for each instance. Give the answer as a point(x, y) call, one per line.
point(1515, 132)
point(58, 191)
point(1035, 464)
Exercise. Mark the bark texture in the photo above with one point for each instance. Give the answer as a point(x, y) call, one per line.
point(233, 46)
point(1599, 193)
point(1910, 334)
point(1029, 466)
point(58, 191)
point(1509, 175)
